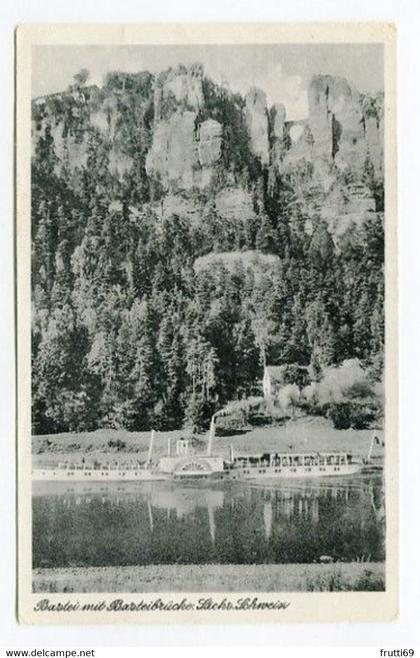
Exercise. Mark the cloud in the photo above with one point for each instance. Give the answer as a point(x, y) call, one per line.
point(279, 87)
point(287, 89)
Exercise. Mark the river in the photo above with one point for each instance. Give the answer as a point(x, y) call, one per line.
point(163, 523)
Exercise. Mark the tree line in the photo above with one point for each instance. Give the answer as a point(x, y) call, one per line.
point(128, 332)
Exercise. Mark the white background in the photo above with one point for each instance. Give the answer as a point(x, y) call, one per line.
point(400, 634)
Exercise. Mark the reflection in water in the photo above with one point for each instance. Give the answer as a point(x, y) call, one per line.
point(155, 523)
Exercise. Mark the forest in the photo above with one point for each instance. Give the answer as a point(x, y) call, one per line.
point(136, 323)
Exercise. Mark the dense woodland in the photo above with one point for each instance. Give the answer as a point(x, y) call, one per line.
point(128, 333)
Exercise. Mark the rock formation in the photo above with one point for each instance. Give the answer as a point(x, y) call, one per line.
point(277, 132)
point(173, 155)
point(209, 143)
point(338, 130)
point(257, 123)
point(178, 133)
point(183, 153)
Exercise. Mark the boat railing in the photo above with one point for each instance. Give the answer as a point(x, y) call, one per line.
point(294, 460)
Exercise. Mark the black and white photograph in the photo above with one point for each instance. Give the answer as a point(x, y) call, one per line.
point(207, 308)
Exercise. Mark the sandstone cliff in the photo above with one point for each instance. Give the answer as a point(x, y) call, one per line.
point(180, 140)
point(341, 128)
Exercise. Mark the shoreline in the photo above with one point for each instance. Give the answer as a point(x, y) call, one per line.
point(120, 446)
point(338, 576)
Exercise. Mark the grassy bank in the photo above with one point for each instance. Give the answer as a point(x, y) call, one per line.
point(214, 578)
point(304, 434)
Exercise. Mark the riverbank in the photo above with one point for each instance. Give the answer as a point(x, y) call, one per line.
point(303, 434)
point(353, 576)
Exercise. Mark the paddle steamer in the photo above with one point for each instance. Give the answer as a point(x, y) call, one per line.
point(186, 464)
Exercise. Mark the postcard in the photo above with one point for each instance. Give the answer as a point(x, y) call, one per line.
point(207, 323)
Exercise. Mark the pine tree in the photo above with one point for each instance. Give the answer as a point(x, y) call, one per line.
point(62, 389)
point(266, 237)
point(321, 336)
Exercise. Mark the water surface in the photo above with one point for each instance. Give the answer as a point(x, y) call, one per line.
point(164, 523)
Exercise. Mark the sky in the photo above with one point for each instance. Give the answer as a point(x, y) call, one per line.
point(283, 71)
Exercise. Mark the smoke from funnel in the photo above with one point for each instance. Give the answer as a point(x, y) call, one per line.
point(336, 382)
